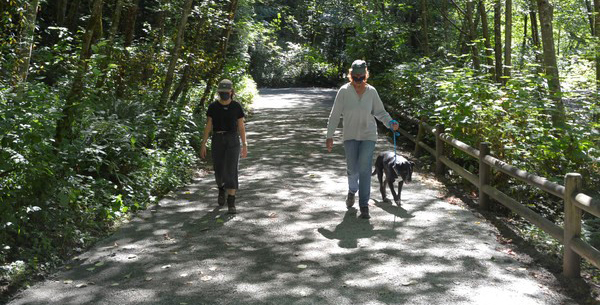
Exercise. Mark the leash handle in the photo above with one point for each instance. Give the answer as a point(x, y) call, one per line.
point(395, 133)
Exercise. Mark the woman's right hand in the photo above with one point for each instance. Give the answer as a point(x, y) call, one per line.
point(203, 151)
point(329, 144)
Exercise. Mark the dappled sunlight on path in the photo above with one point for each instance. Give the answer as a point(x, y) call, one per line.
point(293, 241)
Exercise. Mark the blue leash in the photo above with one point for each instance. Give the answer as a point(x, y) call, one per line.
point(395, 133)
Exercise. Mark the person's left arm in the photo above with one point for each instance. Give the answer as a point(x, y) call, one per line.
point(380, 113)
point(242, 131)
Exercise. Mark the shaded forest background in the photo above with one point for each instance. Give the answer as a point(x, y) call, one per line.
point(102, 101)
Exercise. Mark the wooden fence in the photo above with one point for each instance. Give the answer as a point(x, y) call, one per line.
point(574, 201)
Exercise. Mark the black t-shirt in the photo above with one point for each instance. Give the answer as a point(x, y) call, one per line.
point(224, 117)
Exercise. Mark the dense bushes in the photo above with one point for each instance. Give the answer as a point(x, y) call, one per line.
point(294, 65)
point(515, 118)
point(54, 201)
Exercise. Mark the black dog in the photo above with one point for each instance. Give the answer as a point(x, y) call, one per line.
point(393, 168)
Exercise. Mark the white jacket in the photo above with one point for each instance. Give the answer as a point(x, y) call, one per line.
point(359, 114)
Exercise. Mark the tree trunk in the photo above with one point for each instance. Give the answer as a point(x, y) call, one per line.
point(425, 27)
point(93, 30)
point(590, 11)
point(182, 83)
point(64, 126)
point(223, 51)
point(535, 33)
point(464, 28)
point(524, 44)
point(116, 19)
point(161, 25)
point(498, 39)
point(61, 11)
point(471, 38)
point(129, 31)
point(444, 11)
point(508, 41)
point(129, 28)
point(597, 34)
point(486, 35)
point(546, 15)
point(477, 18)
point(558, 42)
point(413, 25)
point(26, 42)
point(71, 22)
point(174, 57)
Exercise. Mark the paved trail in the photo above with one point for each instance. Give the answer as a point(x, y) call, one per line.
point(294, 241)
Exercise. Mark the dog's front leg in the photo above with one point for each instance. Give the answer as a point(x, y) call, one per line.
point(381, 185)
point(400, 184)
point(391, 185)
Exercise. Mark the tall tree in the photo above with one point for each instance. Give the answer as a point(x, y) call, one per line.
point(446, 22)
point(508, 40)
point(26, 42)
point(486, 35)
point(61, 11)
point(535, 33)
point(64, 126)
point(187, 8)
point(590, 10)
point(131, 14)
point(524, 44)
point(425, 26)
point(71, 19)
point(222, 51)
point(471, 31)
point(116, 19)
point(546, 11)
point(498, 39)
point(130, 21)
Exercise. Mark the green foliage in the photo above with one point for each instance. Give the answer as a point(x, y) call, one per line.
point(123, 155)
point(111, 169)
point(515, 118)
point(246, 91)
point(293, 65)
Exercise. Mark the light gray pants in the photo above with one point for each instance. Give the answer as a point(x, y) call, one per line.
point(226, 156)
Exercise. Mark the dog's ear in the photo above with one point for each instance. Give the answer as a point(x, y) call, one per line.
point(412, 163)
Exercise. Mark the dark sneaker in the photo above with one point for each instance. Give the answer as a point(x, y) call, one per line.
point(350, 200)
point(231, 204)
point(364, 213)
point(221, 198)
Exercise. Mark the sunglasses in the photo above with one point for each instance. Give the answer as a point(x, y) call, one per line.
point(358, 79)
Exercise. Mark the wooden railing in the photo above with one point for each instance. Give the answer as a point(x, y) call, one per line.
point(574, 201)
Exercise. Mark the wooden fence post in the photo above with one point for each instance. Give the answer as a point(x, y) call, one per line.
point(484, 175)
point(439, 149)
point(572, 226)
point(419, 138)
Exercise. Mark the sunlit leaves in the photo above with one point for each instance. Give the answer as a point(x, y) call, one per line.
point(514, 118)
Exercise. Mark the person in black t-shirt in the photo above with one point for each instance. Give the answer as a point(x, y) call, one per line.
point(225, 118)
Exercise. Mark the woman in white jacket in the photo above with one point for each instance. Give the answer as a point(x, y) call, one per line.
point(359, 104)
